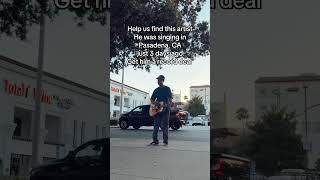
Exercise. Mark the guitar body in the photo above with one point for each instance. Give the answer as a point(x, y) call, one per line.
point(156, 108)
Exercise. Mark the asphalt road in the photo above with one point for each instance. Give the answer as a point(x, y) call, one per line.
point(187, 133)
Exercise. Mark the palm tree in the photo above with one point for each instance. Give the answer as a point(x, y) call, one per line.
point(242, 114)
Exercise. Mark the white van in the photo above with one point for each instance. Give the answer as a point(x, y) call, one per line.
point(205, 118)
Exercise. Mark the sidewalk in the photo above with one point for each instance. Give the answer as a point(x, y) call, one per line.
point(183, 127)
point(180, 160)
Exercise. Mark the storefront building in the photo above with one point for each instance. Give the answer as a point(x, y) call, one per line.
point(204, 93)
point(132, 97)
point(295, 93)
point(71, 115)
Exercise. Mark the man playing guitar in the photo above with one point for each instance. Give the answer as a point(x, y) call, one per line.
point(162, 99)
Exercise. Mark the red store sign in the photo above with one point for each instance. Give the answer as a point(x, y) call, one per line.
point(24, 90)
point(117, 90)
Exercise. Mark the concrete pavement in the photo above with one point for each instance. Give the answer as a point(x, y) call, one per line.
point(187, 133)
point(134, 159)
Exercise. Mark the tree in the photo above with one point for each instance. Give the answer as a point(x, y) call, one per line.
point(17, 16)
point(146, 13)
point(195, 106)
point(273, 143)
point(242, 115)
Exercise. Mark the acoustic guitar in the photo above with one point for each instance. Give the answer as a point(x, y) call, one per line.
point(156, 107)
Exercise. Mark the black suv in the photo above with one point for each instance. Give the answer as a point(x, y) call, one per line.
point(139, 116)
point(89, 161)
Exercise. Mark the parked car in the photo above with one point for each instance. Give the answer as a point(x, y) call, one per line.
point(184, 115)
point(196, 121)
point(206, 123)
point(229, 167)
point(89, 161)
point(139, 116)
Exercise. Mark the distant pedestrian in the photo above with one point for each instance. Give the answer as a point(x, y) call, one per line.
point(161, 94)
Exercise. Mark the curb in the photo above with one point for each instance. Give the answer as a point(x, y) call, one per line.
point(114, 127)
point(130, 175)
point(173, 145)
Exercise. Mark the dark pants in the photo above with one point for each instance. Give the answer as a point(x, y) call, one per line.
point(161, 120)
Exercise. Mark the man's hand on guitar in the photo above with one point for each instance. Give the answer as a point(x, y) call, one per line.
point(156, 107)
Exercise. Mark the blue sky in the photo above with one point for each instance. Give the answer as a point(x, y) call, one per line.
point(178, 77)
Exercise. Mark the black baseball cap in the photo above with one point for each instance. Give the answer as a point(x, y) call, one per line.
point(160, 77)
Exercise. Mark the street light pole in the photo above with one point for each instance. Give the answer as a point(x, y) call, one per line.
point(37, 119)
point(121, 93)
point(108, 56)
point(205, 99)
point(123, 64)
point(306, 123)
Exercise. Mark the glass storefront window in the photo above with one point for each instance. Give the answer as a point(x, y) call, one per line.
point(75, 133)
point(126, 102)
point(22, 119)
point(20, 165)
point(116, 114)
point(54, 126)
point(116, 100)
point(83, 131)
point(104, 132)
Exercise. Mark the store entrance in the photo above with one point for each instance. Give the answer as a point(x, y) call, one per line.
point(20, 165)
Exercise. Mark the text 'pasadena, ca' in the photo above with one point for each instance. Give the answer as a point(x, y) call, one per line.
point(164, 43)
